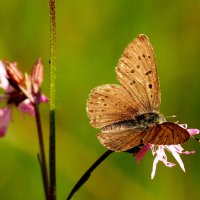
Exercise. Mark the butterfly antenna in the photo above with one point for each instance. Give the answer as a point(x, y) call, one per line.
point(172, 116)
point(87, 174)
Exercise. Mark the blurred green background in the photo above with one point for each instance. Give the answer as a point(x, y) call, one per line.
point(91, 36)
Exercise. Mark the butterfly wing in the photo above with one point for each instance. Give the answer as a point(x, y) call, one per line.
point(108, 104)
point(137, 72)
point(122, 140)
point(167, 133)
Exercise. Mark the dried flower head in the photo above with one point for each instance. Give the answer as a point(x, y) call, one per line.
point(21, 90)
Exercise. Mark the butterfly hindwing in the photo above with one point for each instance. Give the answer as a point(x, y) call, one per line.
point(122, 140)
point(167, 133)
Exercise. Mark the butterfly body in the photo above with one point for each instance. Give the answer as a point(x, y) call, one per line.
point(128, 114)
point(149, 119)
point(140, 122)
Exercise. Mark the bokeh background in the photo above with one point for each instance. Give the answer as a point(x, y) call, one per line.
point(91, 36)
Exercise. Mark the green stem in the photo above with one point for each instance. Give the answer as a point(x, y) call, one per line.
point(41, 156)
point(52, 134)
point(52, 157)
point(87, 174)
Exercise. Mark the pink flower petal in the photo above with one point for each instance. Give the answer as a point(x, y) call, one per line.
point(3, 77)
point(188, 152)
point(180, 149)
point(37, 75)
point(140, 154)
point(155, 162)
point(5, 116)
point(159, 152)
point(174, 152)
point(26, 107)
point(193, 131)
point(43, 99)
point(160, 156)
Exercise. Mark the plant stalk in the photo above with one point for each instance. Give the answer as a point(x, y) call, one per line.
point(87, 174)
point(52, 103)
point(41, 155)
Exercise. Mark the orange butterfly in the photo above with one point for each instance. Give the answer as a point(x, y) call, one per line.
point(128, 114)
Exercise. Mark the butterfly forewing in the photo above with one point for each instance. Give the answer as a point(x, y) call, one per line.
point(167, 133)
point(137, 72)
point(108, 104)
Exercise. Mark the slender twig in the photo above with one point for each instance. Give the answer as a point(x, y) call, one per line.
point(41, 155)
point(87, 174)
point(52, 138)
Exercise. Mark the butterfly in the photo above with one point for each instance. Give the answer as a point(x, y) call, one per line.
point(128, 114)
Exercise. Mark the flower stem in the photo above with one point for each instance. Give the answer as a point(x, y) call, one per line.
point(52, 138)
point(87, 174)
point(52, 157)
point(41, 155)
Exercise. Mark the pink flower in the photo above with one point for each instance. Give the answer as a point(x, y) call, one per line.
point(4, 84)
point(21, 90)
point(159, 152)
point(27, 107)
point(5, 116)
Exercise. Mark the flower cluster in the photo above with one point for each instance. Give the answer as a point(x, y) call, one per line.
point(20, 90)
point(159, 152)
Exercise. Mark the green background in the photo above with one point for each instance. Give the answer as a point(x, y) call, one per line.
point(91, 36)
